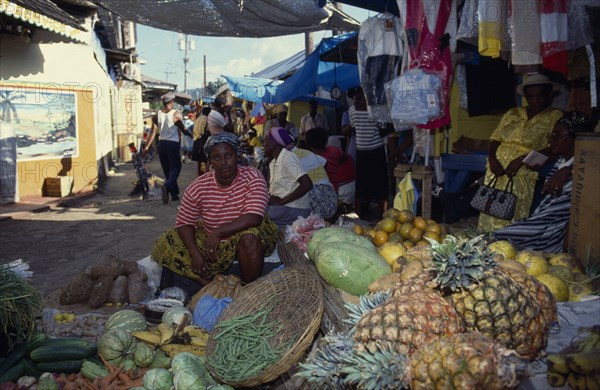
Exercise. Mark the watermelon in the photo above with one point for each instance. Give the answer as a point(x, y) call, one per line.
point(323, 237)
point(128, 320)
point(350, 267)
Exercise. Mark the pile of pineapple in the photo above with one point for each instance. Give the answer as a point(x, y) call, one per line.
point(458, 320)
point(560, 272)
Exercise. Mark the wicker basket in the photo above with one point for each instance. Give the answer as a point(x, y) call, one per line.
point(298, 306)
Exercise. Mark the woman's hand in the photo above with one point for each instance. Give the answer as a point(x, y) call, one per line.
point(555, 184)
point(199, 268)
point(495, 166)
point(212, 245)
point(513, 167)
point(275, 200)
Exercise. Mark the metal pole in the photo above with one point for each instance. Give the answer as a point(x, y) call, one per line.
point(185, 61)
point(204, 88)
point(308, 43)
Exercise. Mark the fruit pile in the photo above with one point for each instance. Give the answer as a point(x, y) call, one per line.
point(560, 272)
point(577, 365)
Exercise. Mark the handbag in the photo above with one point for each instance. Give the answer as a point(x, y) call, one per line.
point(495, 202)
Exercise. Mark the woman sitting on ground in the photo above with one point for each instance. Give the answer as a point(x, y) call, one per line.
point(221, 217)
point(546, 228)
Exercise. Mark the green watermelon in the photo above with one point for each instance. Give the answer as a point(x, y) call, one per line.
point(350, 267)
point(325, 236)
point(128, 320)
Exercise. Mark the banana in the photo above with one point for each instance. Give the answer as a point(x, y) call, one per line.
point(577, 381)
point(174, 349)
point(199, 341)
point(194, 330)
point(195, 335)
point(167, 333)
point(587, 343)
point(557, 364)
point(583, 362)
point(555, 379)
point(147, 337)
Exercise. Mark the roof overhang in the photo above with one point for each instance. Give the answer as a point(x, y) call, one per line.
point(47, 15)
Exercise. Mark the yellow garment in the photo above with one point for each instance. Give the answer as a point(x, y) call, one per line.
point(518, 136)
point(489, 39)
point(200, 126)
point(405, 198)
point(255, 142)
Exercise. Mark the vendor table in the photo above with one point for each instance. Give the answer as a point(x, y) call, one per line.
point(458, 169)
point(419, 172)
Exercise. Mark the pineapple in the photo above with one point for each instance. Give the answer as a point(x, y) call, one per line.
point(539, 290)
point(465, 361)
point(406, 321)
point(486, 298)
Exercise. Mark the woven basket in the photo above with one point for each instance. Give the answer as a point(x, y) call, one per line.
point(298, 305)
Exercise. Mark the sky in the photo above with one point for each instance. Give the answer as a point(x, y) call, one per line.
point(224, 56)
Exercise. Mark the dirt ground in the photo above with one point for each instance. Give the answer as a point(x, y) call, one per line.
point(61, 242)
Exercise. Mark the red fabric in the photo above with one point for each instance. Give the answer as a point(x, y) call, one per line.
point(553, 25)
point(557, 62)
point(205, 199)
point(339, 167)
point(425, 50)
point(551, 6)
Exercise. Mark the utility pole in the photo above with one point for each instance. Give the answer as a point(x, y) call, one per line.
point(167, 73)
point(204, 87)
point(185, 45)
point(308, 43)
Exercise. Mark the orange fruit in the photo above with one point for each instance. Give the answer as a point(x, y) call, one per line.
point(388, 225)
point(405, 229)
point(420, 223)
point(370, 233)
point(406, 216)
point(358, 229)
point(444, 228)
point(380, 237)
point(422, 243)
point(395, 237)
point(415, 235)
point(430, 221)
point(398, 225)
point(408, 244)
point(434, 227)
point(432, 235)
point(392, 213)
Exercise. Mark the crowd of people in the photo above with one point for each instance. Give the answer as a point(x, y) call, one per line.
point(237, 205)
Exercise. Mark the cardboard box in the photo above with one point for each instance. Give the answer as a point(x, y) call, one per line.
point(58, 186)
point(584, 223)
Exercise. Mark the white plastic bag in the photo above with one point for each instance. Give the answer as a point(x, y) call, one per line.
point(152, 270)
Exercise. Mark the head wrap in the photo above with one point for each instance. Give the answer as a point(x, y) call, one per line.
point(216, 122)
point(280, 136)
point(224, 137)
point(576, 122)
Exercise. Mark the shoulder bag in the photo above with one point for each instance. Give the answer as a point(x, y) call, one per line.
point(495, 202)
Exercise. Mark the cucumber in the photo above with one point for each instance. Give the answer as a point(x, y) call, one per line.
point(30, 368)
point(67, 342)
point(21, 351)
point(60, 366)
point(56, 352)
point(13, 373)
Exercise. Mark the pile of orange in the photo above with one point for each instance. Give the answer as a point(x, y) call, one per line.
point(402, 226)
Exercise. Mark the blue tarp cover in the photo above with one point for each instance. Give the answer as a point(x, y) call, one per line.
point(305, 81)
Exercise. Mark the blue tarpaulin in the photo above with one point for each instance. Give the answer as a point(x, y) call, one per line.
point(305, 81)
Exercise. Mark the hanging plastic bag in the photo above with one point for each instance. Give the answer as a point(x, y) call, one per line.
point(407, 196)
point(207, 311)
point(415, 97)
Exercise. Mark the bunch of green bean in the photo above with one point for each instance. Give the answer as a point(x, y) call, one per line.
point(242, 346)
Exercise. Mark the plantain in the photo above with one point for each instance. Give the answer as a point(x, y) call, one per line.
point(199, 341)
point(167, 333)
point(577, 381)
point(587, 343)
point(555, 379)
point(174, 349)
point(583, 362)
point(557, 364)
point(195, 335)
point(147, 337)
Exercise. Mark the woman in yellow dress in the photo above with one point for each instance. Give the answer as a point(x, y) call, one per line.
point(520, 131)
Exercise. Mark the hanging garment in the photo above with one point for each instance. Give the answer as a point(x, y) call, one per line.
point(380, 50)
point(491, 26)
point(407, 196)
point(554, 35)
point(429, 51)
point(524, 25)
point(468, 30)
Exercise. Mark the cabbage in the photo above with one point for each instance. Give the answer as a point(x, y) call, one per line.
point(186, 361)
point(177, 316)
point(158, 379)
point(189, 380)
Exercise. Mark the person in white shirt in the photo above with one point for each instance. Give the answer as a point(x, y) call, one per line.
point(312, 120)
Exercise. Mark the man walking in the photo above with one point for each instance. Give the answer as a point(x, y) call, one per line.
point(169, 122)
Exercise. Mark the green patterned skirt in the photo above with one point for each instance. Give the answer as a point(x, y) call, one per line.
point(170, 252)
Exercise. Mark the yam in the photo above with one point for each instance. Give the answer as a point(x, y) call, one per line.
point(137, 286)
point(119, 290)
point(78, 291)
point(100, 291)
point(114, 269)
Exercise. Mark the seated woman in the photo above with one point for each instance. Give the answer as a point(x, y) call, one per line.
point(546, 228)
point(221, 217)
point(289, 183)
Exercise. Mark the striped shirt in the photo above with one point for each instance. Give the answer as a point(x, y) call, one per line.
point(367, 133)
point(205, 200)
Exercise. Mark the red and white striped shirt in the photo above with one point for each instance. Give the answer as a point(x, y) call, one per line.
point(205, 200)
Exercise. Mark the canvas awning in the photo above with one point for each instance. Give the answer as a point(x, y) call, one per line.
point(233, 18)
point(47, 15)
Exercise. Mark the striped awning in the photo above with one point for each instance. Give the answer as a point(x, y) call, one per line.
point(45, 14)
